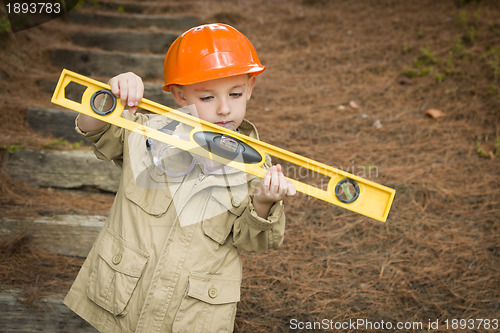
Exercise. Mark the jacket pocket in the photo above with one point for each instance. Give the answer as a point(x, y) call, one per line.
point(209, 304)
point(151, 195)
point(115, 274)
point(223, 209)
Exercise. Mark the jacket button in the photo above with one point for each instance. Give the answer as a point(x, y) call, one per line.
point(235, 202)
point(212, 293)
point(117, 258)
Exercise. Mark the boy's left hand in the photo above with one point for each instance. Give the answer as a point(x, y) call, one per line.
point(274, 187)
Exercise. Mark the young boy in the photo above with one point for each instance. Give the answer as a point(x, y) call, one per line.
point(167, 260)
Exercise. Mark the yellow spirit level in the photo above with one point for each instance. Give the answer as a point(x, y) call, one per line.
point(222, 145)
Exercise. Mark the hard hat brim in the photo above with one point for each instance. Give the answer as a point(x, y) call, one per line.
point(216, 73)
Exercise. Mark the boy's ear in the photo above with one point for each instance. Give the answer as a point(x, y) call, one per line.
point(251, 83)
point(178, 94)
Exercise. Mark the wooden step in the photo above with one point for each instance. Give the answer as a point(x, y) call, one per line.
point(108, 64)
point(62, 169)
point(132, 21)
point(53, 316)
point(68, 235)
point(126, 41)
point(115, 6)
point(134, 7)
point(52, 122)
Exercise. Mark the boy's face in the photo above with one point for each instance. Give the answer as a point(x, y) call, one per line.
point(218, 101)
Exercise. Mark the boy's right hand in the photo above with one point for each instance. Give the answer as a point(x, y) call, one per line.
point(129, 88)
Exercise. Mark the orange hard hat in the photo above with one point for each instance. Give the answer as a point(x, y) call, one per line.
point(210, 52)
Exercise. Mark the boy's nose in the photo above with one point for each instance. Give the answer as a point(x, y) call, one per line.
point(223, 108)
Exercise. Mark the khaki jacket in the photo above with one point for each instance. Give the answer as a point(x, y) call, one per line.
point(167, 260)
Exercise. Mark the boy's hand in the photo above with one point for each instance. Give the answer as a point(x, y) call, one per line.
point(274, 187)
point(129, 88)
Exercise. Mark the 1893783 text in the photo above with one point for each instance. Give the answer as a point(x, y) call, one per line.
point(33, 7)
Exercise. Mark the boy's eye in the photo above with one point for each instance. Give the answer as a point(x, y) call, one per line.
point(206, 98)
point(236, 94)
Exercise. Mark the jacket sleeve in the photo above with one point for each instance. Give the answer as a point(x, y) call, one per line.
point(256, 234)
point(108, 142)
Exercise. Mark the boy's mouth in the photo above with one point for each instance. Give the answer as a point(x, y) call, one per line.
point(226, 124)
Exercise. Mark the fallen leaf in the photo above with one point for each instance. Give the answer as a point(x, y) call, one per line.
point(404, 81)
point(435, 113)
point(353, 104)
point(377, 124)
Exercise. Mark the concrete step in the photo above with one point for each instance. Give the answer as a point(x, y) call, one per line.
point(68, 235)
point(132, 21)
point(108, 64)
point(62, 169)
point(53, 316)
point(126, 41)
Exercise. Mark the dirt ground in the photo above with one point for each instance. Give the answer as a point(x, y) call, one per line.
point(348, 83)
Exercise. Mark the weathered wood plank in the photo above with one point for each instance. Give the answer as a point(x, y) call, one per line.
point(57, 123)
point(132, 21)
point(108, 64)
point(131, 41)
point(53, 316)
point(63, 169)
point(70, 235)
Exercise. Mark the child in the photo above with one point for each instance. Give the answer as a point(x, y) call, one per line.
point(167, 260)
